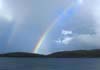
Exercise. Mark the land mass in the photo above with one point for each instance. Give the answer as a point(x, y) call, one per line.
point(76, 54)
point(20, 54)
point(64, 54)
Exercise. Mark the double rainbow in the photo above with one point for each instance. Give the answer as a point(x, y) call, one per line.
point(66, 12)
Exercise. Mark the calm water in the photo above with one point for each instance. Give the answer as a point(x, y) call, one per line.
point(49, 64)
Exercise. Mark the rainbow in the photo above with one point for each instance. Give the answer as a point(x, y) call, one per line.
point(43, 36)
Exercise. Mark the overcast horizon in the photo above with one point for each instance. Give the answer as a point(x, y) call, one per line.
point(62, 25)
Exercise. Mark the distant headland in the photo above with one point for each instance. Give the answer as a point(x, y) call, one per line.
point(64, 54)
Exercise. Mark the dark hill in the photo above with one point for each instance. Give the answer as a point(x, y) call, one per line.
point(20, 54)
point(63, 54)
point(76, 54)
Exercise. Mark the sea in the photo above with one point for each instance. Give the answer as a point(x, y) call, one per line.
point(49, 63)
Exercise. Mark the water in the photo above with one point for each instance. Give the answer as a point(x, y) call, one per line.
point(49, 64)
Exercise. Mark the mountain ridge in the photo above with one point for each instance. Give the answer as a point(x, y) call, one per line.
point(63, 54)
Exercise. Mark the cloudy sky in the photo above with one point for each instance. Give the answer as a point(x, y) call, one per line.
point(22, 23)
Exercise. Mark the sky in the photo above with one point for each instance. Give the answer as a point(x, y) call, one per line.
point(49, 25)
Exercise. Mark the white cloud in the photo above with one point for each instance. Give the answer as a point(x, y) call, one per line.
point(1, 4)
point(58, 41)
point(4, 13)
point(80, 1)
point(66, 32)
point(66, 39)
point(6, 16)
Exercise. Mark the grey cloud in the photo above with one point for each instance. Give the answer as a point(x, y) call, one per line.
point(85, 42)
point(19, 8)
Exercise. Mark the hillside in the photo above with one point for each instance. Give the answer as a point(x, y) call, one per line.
point(21, 54)
point(75, 54)
point(63, 54)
